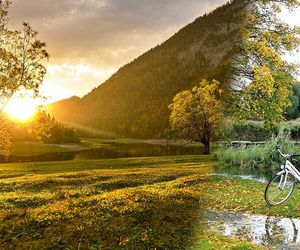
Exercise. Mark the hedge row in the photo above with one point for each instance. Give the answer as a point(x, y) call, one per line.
point(255, 131)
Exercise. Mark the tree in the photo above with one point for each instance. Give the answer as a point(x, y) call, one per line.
point(262, 78)
point(22, 61)
point(4, 135)
point(5, 138)
point(22, 58)
point(197, 114)
point(47, 129)
point(293, 112)
point(42, 124)
point(4, 4)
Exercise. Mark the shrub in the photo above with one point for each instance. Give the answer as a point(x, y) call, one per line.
point(255, 131)
point(250, 131)
point(294, 128)
point(59, 133)
point(260, 156)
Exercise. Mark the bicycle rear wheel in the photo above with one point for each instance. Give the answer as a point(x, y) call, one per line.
point(279, 189)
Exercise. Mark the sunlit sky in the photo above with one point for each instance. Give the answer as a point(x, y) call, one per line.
point(88, 40)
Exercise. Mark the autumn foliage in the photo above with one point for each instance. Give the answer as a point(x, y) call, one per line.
point(197, 114)
point(262, 78)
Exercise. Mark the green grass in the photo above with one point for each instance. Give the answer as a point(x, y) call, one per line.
point(34, 148)
point(135, 203)
point(240, 195)
point(211, 241)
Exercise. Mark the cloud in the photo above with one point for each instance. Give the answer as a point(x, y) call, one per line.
point(105, 34)
point(67, 79)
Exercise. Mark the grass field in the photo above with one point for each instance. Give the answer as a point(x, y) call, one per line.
point(213, 241)
point(240, 195)
point(32, 148)
point(136, 203)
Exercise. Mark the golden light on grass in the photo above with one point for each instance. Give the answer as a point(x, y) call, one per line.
point(21, 109)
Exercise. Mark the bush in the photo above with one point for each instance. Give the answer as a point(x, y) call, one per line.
point(293, 127)
point(59, 133)
point(258, 157)
point(251, 131)
point(255, 131)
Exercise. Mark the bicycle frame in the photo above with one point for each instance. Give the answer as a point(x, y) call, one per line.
point(292, 169)
point(287, 168)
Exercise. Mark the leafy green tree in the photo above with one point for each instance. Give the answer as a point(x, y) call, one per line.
point(47, 129)
point(59, 133)
point(293, 112)
point(262, 78)
point(197, 114)
point(42, 124)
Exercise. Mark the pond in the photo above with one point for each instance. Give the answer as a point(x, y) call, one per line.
point(110, 151)
point(278, 233)
point(246, 174)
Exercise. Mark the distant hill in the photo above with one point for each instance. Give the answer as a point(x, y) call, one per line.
point(134, 101)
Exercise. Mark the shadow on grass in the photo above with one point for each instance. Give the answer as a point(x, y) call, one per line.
point(148, 218)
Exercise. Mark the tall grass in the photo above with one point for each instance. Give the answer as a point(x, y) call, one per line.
point(259, 156)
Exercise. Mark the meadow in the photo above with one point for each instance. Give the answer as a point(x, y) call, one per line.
point(123, 203)
point(238, 195)
point(134, 203)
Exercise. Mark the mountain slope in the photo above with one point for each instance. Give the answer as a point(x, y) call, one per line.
point(134, 101)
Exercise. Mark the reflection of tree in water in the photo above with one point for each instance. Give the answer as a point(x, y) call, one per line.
point(267, 231)
point(245, 233)
point(277, 232)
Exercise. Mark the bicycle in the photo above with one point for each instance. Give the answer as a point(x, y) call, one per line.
point(282, 185)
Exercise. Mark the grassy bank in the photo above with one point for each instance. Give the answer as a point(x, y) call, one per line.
point(211, 241)
point(132, 203)
point(240, 195)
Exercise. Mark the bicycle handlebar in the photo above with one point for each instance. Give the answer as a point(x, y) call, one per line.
point(285, 155)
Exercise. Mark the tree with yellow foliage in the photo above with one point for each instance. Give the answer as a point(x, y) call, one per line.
point(262, 78)
point(197, 114)
point(22, 64)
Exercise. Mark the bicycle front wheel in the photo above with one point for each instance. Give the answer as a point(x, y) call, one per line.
point(279, 189)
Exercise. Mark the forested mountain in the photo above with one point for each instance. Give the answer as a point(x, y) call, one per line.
point(134, 101)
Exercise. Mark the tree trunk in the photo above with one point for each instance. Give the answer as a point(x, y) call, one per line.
point(206, 143)
point(206, 147)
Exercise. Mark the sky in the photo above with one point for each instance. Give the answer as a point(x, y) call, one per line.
point(89, 40)
point(292, 18)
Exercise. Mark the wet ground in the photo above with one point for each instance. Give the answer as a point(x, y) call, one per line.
point(268, 231)
point(262, 179)
point(275, 233)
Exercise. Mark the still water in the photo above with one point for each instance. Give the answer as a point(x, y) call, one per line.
point(272, 232)
point(110, 152)
point(263, 175)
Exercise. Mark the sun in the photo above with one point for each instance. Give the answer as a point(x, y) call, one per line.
point(21, 109)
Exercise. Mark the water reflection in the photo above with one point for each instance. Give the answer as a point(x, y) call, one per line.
point(279, 233)
point(246, 177)
point(137, 150)
point(262, 175)
point(110, 151)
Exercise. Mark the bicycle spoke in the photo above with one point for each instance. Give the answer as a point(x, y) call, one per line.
point(279, 189)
